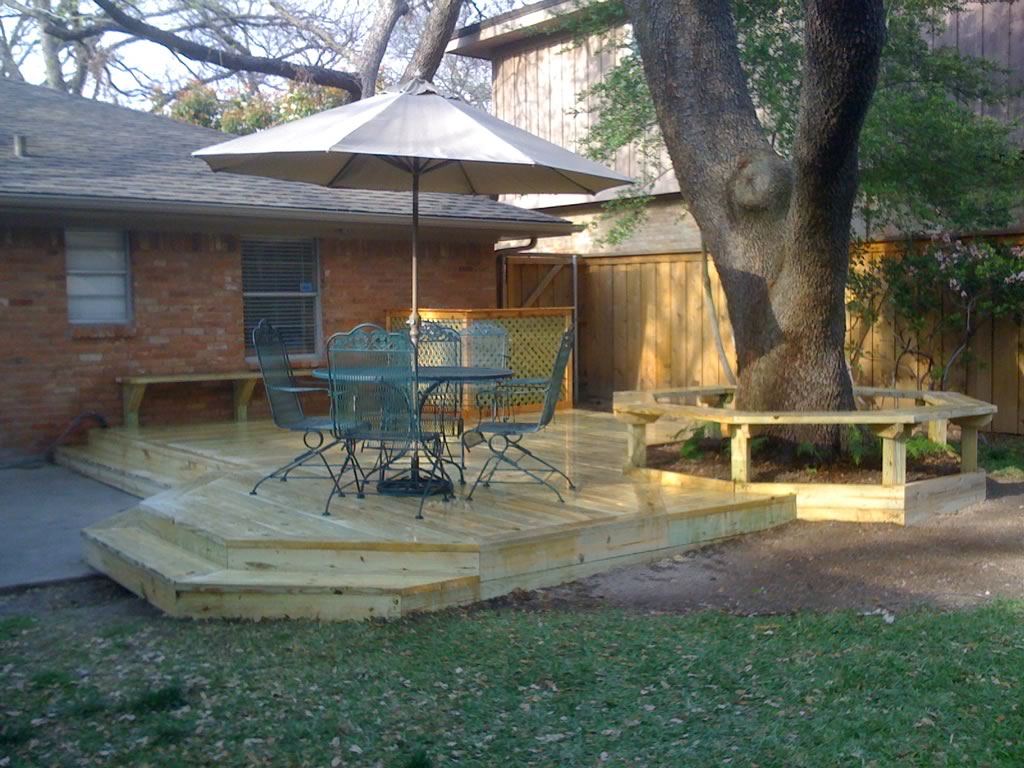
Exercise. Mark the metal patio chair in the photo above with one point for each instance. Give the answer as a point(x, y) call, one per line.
point(485, 345)
point(505, 436)
point(441, 408)
point(375, 406)
point(286, 406)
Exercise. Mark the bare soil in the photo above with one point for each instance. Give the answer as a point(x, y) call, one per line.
point(952, 561)
point(774, 465)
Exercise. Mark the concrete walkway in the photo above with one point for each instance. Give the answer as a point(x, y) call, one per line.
point(41, 513)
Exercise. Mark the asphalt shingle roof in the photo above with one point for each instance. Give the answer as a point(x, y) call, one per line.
point(79, 147)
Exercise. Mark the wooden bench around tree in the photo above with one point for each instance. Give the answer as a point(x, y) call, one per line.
point(133, 389)
point(892, 425)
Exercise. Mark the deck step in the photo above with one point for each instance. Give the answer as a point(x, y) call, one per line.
point(137, 482)
point(185, 584)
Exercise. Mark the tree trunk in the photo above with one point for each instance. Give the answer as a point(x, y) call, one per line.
point(778, 228)
point(376, 44)
point(50, 47)
point(437, 31)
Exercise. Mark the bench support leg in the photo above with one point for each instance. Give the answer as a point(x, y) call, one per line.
point(636, 445)
point(938, 431)
point(739, 453)
point(968, 449)
point(242, 395)
point(131, 396)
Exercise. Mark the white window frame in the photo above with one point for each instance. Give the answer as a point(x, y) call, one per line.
point(129, 304)
point(318, 333)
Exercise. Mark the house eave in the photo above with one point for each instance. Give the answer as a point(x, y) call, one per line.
point(206, 214)
point(481, 40)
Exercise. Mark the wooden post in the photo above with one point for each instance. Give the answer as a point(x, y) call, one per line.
point(712, 429)
point(636, 444)
point(894, 452)
point(242, 395)
point(968, 449)
point(131, 396)
point(740, 453)
point(938, 431)
point(969, 426)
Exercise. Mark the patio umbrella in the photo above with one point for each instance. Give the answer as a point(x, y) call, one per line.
point(411, 138)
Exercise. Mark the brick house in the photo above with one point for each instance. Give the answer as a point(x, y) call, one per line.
point(122, 255)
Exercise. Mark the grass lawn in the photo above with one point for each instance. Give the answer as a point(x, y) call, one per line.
point(516, 688)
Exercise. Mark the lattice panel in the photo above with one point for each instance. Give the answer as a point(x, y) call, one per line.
point(533, 343)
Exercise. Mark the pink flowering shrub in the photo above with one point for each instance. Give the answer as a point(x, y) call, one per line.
point(945, 289)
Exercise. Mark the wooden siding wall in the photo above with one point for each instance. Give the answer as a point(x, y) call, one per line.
point(536, 86)
point(643, 325)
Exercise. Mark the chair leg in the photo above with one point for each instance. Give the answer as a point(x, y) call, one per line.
point(469, 496)
point(546, 463)
point(281, 473)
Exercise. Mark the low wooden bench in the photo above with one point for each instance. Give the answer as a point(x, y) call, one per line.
point(133, 388)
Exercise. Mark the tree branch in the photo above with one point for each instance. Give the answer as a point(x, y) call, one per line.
point(691, 58)
point(346, 81)
point(437, 31)
point(844, 40)
point(377, 39)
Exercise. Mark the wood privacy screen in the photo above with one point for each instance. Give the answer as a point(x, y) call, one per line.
point(533, 335)
point(643, 324)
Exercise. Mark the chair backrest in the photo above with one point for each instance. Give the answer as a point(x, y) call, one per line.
point(438, 345)
point(485, 345)
point(371, 376)
point(271, 351)
point(554, 390)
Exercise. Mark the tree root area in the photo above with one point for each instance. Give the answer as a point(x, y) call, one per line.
point(777, 461)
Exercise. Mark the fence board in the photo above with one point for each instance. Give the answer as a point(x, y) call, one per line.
point(645, 326)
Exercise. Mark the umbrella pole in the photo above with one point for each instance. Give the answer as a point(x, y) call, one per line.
point(414, 316)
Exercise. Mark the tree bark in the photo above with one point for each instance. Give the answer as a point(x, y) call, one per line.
point(50, 47)
point(377, 39)
point(437, 31)
point(778, 228)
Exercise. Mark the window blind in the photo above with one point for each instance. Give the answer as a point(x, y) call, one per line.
point(280, 283)
point(98, 276)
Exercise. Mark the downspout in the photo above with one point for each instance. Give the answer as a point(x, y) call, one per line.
point(503, 254)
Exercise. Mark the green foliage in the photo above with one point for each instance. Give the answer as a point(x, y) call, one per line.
point(580, 687)
point(945, 289)
point(245, 112)
point(159, 699)
point(758, 444)
point(919, 447)
point(197, 104)
point(1002, 457)
point(15, 625)
point(690, 447)
point(859, 444)
point(928, 159)
point(809, 451)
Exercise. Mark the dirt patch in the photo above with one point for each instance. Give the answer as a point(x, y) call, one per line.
point(952, 561)
point(773, 465)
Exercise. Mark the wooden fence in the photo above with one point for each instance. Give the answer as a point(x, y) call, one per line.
point(643, 324)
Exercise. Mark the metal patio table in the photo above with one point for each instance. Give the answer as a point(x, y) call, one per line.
point(434, 376)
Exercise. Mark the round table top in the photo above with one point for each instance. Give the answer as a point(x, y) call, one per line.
point(426, 373)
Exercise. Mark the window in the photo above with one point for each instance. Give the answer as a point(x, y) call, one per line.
point(280, 283)
point(98, 277)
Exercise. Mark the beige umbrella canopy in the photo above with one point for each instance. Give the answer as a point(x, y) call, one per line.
point(412, 138)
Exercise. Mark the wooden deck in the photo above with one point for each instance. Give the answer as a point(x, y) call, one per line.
point(200, 545)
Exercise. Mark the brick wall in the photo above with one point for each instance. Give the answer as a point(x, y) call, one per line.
point(187, 299)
